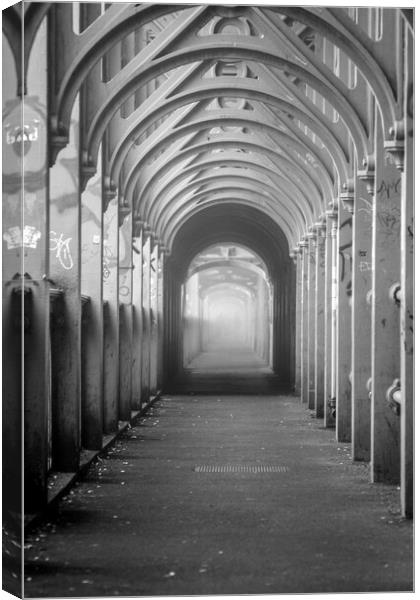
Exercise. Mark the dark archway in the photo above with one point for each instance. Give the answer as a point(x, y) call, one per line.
point(233, 223)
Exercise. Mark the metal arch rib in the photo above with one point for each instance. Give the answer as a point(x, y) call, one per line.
point(282, 186)
point(221, 118)
point(250, 91)
point(172, 227)
point(255, 187)
point(122, 88)
point(228, 159)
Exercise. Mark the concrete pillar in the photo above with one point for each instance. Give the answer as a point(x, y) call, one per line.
point(304, 322)
point(65, 272)
point(329, 419)
point(137, 321)
point(13, 322)
point(311, 296)
point(92, 334)
point(154, 317)
point(298, 375)
point(25, 286)
point(344, 273)
point(407, 272)
point(361, 366)
point(111, 316)
point(126, 316)
point(319, 321)
point(331, 307)
point(146, 319)
point(160, 322)
point(385, 441)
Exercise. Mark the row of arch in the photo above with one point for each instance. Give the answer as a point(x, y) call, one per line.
point(151, 132)
point(181, 54)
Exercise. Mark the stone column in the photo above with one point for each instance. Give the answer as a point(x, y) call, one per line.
point(125, 308)
point(311, 295)
point(329, 415)
point(361, 316)
point(136, 373)
point(92, 335)
point(65, 272)
point(26, 353)
point(344, 283)
point(304, 322)
point(146, 319)
point(334, 302)
point(111, 316)
point(319, 320)
point(386, 254)
point(298, 375)
point(160, 323)
point(154, 317)
point(407, 273)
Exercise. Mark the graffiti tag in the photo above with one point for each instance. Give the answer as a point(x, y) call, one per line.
point(62, 249)
point(15, 238)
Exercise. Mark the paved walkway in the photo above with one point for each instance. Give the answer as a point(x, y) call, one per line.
point(222, 371)
point(145, 522)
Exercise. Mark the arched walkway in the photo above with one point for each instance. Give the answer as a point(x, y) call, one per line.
point(135, 138)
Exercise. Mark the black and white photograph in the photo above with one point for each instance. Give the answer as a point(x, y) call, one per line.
point(208, 299)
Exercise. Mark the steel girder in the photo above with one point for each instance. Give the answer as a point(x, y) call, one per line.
point(171, 228)
point(230, 159)
point(110, 28)
point(253, 91)
point(230, 189)
point(284, 193)
point(238, 49)
point(230, 263)
point(295, 86)
point(232, 144)
point(221, 118)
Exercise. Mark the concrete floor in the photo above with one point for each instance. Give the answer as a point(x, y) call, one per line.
point(144, 522)
point(228, 360)
point(227, 371)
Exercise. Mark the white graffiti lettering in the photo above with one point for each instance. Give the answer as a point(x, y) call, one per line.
point(62, 249)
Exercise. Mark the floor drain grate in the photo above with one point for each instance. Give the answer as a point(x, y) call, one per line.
point(240, 469)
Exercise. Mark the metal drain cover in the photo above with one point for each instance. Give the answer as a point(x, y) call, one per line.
point(240, 469)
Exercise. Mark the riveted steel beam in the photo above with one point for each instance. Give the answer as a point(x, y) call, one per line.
point(231, 263)
point(232, 142)
point(228, 119)
point(356, 47)
point(127, 127)
point(211, 163)
point(327, 138)
point(295, 44)
point(307, 185)
point(173, 225)
point(168, 175)
point(210, 119)
point(230, 159)
point(252, 91)
point(231, 87)
point(200, 195)
point(83, 51)
point(223, 182)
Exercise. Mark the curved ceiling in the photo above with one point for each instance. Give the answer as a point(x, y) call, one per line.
point(261, 111)
point(233, 224)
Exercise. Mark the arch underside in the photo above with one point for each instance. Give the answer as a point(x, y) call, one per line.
point(211, 79)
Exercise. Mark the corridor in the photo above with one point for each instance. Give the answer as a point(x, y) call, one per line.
point(147, 521)
point(208, 255)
